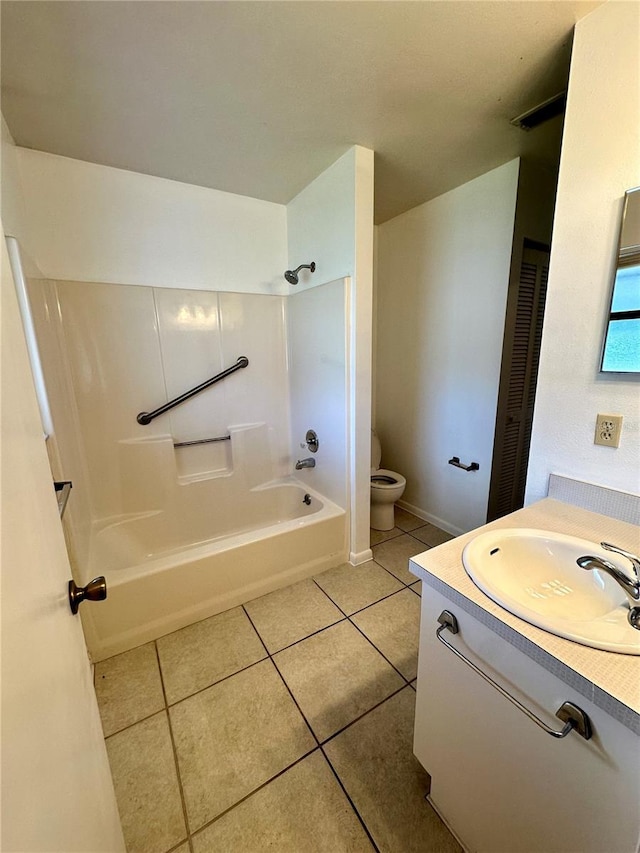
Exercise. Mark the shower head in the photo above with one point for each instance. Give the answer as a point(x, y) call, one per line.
point(292, 275)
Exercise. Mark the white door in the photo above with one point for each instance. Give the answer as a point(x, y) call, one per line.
point(57, 794)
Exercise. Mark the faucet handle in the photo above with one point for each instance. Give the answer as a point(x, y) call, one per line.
point(635, 561)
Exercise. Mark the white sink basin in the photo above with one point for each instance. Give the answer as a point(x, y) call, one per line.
point(534, 575)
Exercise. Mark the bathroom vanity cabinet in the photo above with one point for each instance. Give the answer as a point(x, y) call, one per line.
point(501, 783)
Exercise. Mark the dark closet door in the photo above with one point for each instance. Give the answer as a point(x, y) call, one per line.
point(520, 358)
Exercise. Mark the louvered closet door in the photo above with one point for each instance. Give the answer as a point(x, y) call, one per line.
point(517, 393)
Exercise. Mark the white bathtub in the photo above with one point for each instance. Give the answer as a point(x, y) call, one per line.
point(162, 575)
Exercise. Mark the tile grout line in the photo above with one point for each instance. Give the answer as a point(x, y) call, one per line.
point(373, 603)
point(365, 636)
point(186, 841)
point(413, 536)
point(170, 633)
point(406, 680)
point(214, 683)
point(175, 752)
point(343, 618)
point(351, 803)
point(427, 545)
point(349, 615)
point(389, 572)
point(131, 725)
point(335, 772)
point(288, 689)
point(319, 747)
point(168, 704)
point(364, 714)
point(313, 734)
point(347, 619)
point(255, 790)
point(387, 539)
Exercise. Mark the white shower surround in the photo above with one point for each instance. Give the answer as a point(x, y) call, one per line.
point(183, 532)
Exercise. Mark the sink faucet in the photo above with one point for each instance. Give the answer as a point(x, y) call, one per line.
point(305, 463)
point(631, 585)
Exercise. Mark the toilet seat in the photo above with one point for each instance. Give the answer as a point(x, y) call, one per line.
point(383, 479)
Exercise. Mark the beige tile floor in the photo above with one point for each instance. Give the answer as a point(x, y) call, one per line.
point(282, 725)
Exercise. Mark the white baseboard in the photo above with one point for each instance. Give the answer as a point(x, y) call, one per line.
point(432, 519)
point(360, 557)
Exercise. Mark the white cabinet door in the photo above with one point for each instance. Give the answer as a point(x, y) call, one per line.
point(502, 783)
point(57, 793)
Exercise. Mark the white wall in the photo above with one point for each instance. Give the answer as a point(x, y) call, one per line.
point(13, 211)
point(331, 222)
point(321, 224)
point(599, 162)
point(441, 297)
point(318, 381)
point(94, 223)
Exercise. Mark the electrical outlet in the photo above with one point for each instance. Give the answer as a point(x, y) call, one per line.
point(608, 429)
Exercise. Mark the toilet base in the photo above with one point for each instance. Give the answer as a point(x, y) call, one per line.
point(382, 516)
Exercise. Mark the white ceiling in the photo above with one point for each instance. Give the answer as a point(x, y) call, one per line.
point(258, 98)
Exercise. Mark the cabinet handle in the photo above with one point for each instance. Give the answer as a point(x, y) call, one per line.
point(572, 716)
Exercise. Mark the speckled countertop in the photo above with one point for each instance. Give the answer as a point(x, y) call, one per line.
point(610, 680)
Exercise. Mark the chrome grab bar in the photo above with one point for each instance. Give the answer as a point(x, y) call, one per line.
point(202, 441)
point(572, 716)
point(145, 418)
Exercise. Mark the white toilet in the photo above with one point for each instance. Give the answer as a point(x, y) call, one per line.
point(386, 488)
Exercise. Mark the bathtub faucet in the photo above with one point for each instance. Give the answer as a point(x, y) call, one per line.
point(305, 463)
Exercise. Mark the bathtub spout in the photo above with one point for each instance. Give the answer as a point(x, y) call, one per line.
point(305, 463)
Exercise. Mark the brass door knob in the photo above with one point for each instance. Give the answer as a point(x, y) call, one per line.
point(95, 590)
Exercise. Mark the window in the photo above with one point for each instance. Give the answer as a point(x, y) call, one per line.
point(622, 342)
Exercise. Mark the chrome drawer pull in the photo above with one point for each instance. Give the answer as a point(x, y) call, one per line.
point(572, 716)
